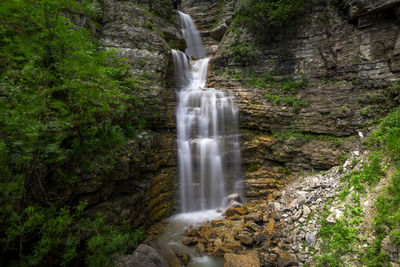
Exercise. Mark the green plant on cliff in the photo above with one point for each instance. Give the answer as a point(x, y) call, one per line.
point(256, 14)
point(64, 104)
point(291, 101)
point(338, 237)
point(242, 52)
point(386, 140)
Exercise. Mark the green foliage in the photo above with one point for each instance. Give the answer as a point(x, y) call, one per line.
point(64, 104)
point(284, 170)
point(390, 126)
point(276, 89)
point(370, 174)
point(149, 25)
point(252, 167)
point(106, 240)
point(292, 101)
point(242, 52)
point(386, 140)
point(258, 14)
point(372, 256)
point(293, 86)
point(338, 237)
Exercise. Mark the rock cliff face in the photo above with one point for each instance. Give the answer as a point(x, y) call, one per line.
point(140, 186)
point(348, 55)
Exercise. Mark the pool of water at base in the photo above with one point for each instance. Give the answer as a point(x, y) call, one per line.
point(174, 234)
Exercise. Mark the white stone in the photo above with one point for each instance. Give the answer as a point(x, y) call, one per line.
point(306, 211)
point(310, 238)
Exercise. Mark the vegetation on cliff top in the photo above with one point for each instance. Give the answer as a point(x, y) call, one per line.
point(63, 103)
point(257, 14)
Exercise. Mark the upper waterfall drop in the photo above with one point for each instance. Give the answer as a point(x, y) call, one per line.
point(192, 36)
point(207, 138)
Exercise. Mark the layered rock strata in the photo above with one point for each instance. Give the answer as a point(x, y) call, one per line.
point(348, 54)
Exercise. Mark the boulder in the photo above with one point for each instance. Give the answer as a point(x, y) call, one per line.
point(270, 226)
point(144, 256)
point(310, 238)
point(165, 251)
point(244, 237)
point(286, 260)
point(183, 256)
point(233, 204)
point(190, 241)
point(201, 248)
point(219, 32)
point(246, 260)
point(235, 211)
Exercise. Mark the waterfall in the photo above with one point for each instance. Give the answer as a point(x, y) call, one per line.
point(207, 138)
point(192, 36)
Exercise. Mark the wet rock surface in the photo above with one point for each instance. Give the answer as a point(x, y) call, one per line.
point(144, 256)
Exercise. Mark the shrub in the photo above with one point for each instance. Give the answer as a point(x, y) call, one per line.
point(253, 167)
point(256, 14)
point(64, 103)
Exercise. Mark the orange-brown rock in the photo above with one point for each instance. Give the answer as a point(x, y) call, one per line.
point(270, 226)
point(245, 260)
point(217, 223)
point(190, 241)
point(244, 237)
point(233, 211)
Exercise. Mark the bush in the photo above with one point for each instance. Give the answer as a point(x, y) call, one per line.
point(64, 103)
point(256, 14)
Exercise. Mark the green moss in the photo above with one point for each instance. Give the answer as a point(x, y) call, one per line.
point(252, 167)
point(291, 101)
point(149, 25)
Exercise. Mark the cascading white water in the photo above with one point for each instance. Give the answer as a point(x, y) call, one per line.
point(208, 142)
point(192, 36)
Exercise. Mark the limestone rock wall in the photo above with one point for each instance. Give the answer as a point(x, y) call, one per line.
point(140, 185)
point(348, 53)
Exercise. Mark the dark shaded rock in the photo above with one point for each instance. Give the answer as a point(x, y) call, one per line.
point(245, 238)
point(165, 251)
point(286, 260)
point(260, 238)
point(183, 256)
point(190, 241)
point(144, 256)
point(219, 32)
